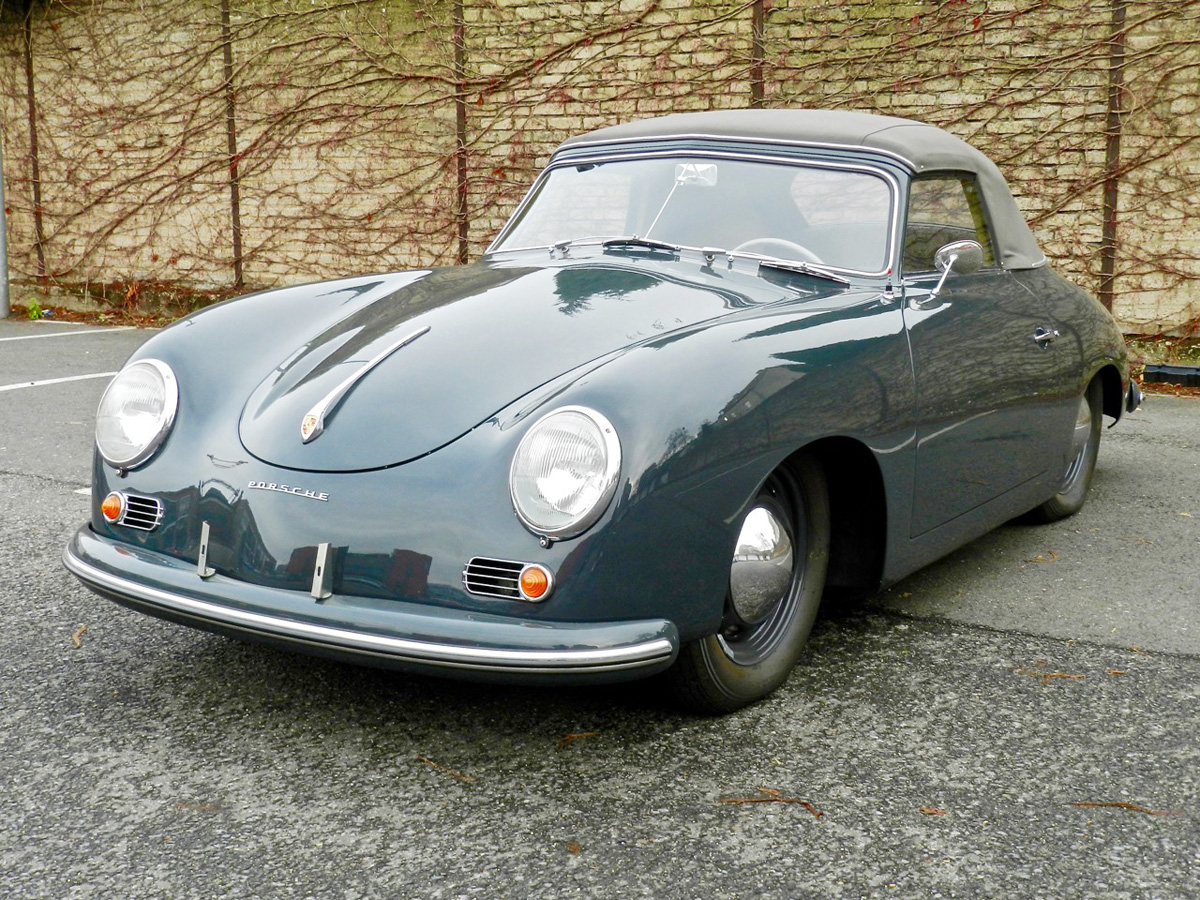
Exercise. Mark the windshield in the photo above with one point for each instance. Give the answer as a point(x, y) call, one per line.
point(807, 213)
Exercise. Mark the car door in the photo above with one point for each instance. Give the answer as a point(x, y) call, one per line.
point(994, 392)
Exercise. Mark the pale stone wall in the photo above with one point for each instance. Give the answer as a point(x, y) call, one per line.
point(550, 71)
point(346, 121)
point(1159, 266)
point(342, 141)
point(1027, 84)
point(346, 134)
point(131, 174)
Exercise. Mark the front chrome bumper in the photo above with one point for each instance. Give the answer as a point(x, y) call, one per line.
point(378, 632)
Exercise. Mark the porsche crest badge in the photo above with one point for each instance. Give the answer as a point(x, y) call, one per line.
point(310, 427)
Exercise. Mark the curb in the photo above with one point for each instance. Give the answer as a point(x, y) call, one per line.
point(1187, 376)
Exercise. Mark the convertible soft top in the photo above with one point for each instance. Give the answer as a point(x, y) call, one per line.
point(919, 147)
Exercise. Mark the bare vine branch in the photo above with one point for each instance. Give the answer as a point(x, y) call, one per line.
point(363, 141)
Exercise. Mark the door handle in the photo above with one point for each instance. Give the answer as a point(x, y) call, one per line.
point(1044, 337)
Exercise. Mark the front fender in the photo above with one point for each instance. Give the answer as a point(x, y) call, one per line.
point(704, 415)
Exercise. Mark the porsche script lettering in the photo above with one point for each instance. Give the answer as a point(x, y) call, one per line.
point(288, 489)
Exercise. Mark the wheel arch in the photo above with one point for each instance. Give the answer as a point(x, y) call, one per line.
point(858, 511)
point(1114, 391)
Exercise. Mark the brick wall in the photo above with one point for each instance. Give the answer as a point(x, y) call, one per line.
point(346, 118)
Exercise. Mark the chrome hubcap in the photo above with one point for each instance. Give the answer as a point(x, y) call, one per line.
point(1079, 439)
point(760, 575)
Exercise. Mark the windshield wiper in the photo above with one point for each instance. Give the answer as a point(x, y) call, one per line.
point(631, 241)
point(612, 242)
point(804, 268)
point(634, 241)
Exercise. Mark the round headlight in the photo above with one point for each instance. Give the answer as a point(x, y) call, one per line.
point(136, 413)
point(565, 472)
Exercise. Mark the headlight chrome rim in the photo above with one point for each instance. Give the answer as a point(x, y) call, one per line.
point(165, 416)
point(603, 483)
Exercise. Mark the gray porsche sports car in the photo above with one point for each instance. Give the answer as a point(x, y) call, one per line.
point(714, 364)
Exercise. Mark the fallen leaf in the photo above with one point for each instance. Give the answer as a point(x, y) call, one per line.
point(816, 813)
point(573, 848)
point(1049, 557)
point(567, 740)
point(451, 772)
point(1038, 670)
point(774, 796)
point(932, 811)
point(1112, 804)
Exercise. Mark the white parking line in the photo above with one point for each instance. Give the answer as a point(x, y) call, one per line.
point(29, 384)
point(36, 337)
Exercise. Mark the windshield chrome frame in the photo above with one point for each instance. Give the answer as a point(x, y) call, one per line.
point(614, 154)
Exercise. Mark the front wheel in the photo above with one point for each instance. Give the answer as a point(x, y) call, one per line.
point(776, 576)
point(1085, 446)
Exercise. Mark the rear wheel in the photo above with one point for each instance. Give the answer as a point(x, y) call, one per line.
point(1085, 446)
point(776, 577)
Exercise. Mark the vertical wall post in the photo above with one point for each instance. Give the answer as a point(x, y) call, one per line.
point(5, 309)
point(34, 171)
point(235, 200)
point(1112, 153)
point(757, 28)
point(460, 130)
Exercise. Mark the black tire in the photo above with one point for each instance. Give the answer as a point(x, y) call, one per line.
point(1078, 478)
point(747, 660)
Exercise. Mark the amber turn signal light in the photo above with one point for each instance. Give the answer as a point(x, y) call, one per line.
point(112, 506)
point(535, 582)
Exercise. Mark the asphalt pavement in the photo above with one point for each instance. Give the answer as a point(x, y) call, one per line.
point(1021, 719)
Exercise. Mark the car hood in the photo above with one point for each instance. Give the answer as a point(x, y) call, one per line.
point(481, 336)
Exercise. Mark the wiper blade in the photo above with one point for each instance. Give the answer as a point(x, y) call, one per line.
point(612, 242)
point(804, 268)
point(635, 241)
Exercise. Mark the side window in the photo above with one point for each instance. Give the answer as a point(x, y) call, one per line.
point(941, 209)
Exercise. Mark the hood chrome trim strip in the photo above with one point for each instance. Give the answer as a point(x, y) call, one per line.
point(312, 426)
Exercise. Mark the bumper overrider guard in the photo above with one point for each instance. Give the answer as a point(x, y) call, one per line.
point(435, 639)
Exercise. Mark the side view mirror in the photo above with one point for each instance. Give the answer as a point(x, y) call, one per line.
point(963, 257)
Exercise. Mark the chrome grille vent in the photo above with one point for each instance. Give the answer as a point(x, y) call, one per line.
point(493, 577)
point(142, 513)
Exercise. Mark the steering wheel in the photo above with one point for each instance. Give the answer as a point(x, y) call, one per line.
point(771, 246)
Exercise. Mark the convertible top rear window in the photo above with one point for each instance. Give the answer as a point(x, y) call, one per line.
point(836, 216)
